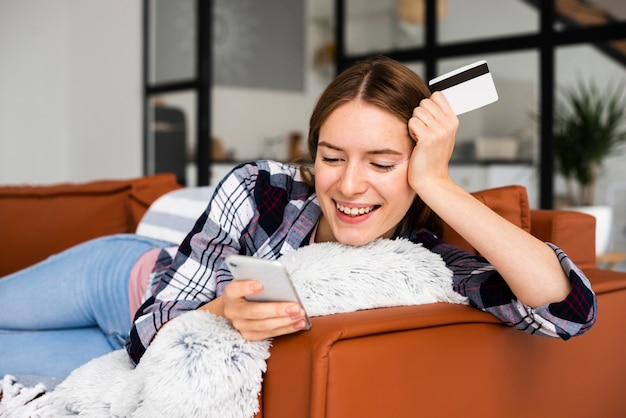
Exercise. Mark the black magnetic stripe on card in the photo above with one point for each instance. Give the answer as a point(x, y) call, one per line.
point(460, 78)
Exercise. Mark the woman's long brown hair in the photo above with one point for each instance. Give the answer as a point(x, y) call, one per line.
point(391, 86)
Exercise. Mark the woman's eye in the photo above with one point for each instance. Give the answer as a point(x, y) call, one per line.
point(331, 160)
point(383, 167)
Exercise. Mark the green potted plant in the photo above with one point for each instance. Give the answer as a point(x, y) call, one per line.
point(589, 126)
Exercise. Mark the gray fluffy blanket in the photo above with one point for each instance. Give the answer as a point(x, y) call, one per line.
point(199, 366)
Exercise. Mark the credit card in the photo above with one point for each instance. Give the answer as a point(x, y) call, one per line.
point(466, 88)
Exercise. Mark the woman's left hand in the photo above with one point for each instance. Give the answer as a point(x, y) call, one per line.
point(433, 127)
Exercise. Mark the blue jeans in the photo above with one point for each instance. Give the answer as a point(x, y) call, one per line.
point(70, 308)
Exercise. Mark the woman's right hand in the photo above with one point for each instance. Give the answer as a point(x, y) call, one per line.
point(433, 127)
point(256, 320)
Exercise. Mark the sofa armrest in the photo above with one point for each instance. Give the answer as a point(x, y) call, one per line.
point(573, 232)
point(445, 360)
point(302, 365)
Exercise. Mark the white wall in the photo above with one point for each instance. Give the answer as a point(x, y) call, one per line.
point(34, 80)
point(105, 101)
point(70, 90)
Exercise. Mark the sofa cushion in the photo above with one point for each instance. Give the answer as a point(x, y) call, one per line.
point(173, 215)
point(37, 221)
point(510, 202)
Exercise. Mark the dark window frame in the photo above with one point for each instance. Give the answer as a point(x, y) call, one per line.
point(200, 84)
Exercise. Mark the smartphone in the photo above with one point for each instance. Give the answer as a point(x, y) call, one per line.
point(277, 286)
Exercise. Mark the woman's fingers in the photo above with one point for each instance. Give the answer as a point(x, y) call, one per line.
point(259, 320)
point(433, 118)
point(440, 99)
point(259, 329)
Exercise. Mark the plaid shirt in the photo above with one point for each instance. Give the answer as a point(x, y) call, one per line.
point(265, 209)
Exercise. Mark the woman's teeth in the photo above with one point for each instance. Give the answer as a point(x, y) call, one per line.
point(354, 211)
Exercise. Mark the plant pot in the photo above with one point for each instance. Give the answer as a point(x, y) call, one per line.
point(604, 220)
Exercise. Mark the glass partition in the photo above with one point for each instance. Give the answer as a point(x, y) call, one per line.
point(172, 41)
point(379, 25)
point(509, 120)
point(171, 133)
point(177, 80)
point(591, 66)
point(497, 19)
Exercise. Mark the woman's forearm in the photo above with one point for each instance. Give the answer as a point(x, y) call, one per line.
point(529, 266)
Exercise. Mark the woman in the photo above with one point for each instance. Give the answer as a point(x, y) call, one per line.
point(381, 148)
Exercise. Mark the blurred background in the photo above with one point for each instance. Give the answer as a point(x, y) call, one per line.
point(95, 89)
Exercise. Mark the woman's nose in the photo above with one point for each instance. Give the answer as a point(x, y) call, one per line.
point(353, 180)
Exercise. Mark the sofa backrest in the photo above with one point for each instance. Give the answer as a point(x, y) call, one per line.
point(510, 202)
point(37, 221)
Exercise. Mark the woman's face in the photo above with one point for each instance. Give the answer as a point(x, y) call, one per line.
point(361, 174)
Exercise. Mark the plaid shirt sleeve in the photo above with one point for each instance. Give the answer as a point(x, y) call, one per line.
point(253, 211)
point(475, 278)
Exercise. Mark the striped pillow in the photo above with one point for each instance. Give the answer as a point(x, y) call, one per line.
point(171, 217)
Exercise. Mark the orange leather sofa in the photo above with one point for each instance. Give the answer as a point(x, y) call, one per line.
point(443, 360)
point(436, 360)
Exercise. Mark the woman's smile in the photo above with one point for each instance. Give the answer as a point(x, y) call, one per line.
point(354, 211)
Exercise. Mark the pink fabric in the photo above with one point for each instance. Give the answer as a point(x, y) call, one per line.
point(139, 277)
point(314, 233)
